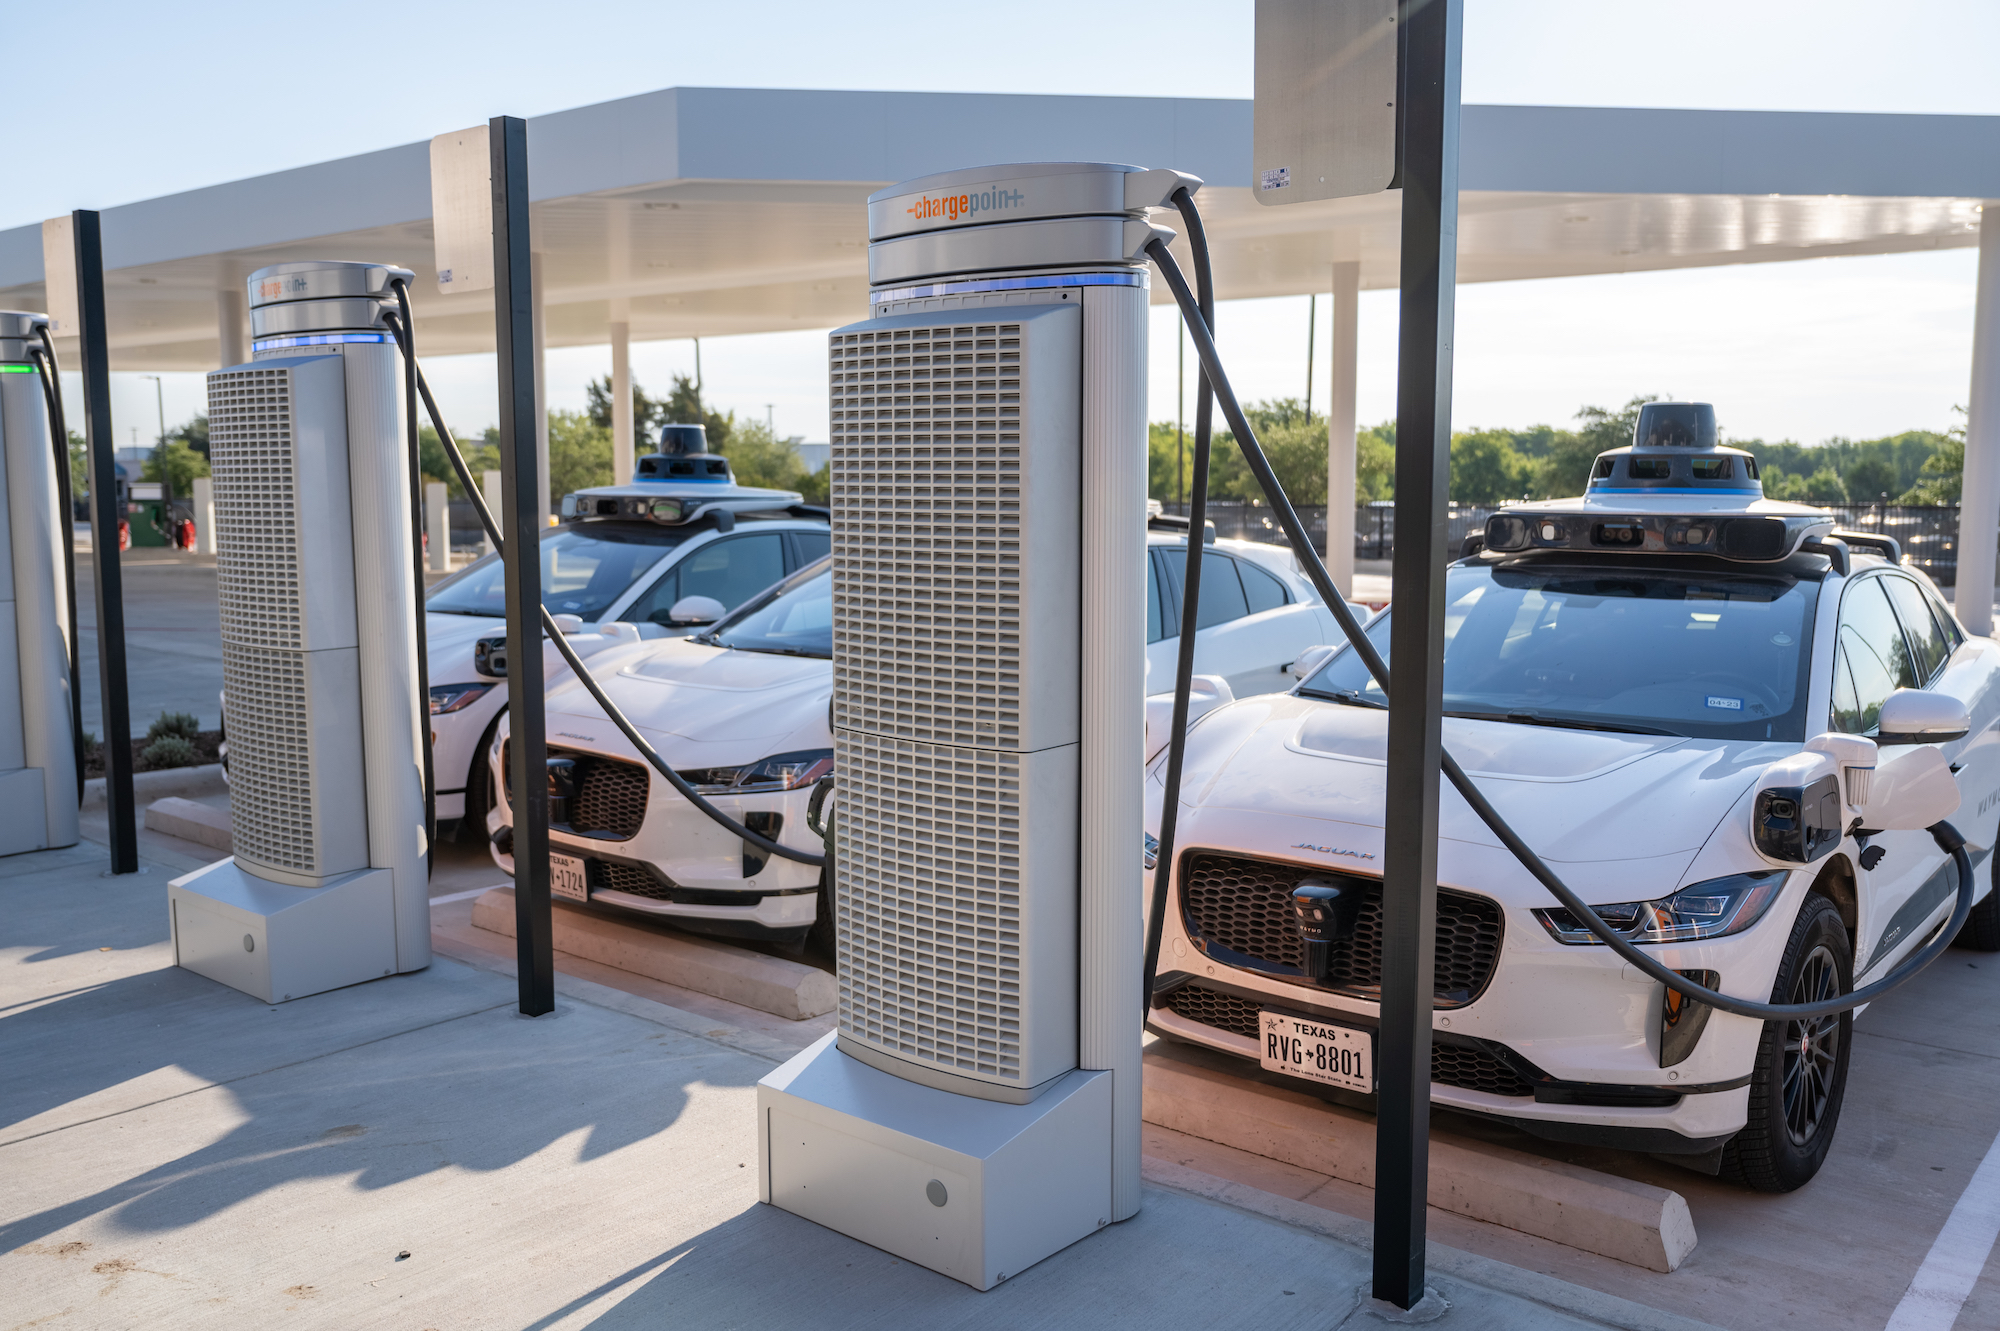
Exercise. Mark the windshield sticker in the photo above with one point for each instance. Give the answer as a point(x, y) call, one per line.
point(1726, 704)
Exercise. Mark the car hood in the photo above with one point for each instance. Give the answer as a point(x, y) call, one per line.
point(707, 695)
point(1577, 796)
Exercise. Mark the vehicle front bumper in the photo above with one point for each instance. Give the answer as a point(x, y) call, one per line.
point(1569, 1033)
point(682, 867)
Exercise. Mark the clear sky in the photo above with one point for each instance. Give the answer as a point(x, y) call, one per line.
point(135, 100)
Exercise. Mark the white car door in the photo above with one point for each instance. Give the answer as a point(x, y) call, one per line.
point(1250, 627)
point(1948, 665)
point(1872, 659)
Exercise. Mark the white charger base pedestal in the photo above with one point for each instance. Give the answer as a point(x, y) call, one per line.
point(23, 815)
point(278, 942)
point(973, 1189)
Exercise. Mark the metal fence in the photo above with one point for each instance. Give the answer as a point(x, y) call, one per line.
point(1928, 534)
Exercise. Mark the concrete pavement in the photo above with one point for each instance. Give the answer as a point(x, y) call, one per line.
point(173, 639)
point(410, 1153)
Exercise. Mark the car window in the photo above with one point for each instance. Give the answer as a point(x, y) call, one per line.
point(1154, 620)
point(731, 570)
point(1926, 639)
point(585, 567)
point(811, 546)
point(1621, 644)
point(1261, 590)
point(1952, 634)
point(1221, 592)
point(1877, 658)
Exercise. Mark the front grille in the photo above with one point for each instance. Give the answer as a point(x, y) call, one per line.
point(611, 795)
point(1468, 1067)
point(603, 874)
point(1245, 906)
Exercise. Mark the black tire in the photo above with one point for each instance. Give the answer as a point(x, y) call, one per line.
point(1981, 930)
point(479, 799)
point(1798, 1083)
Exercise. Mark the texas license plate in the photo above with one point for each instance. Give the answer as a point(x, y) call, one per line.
point(566, 877)
point(1336, 1055)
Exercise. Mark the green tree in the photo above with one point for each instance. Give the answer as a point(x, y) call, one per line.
point(79, 466)
point(1375, 463)
point(193, 432)
point(1871, 478)
point(1938, 480)
point(1485, 469)
point(1788, 486)
point(481, 455)
point(1565, 468)
point(1169, 461)
point(757, 457)
point(683, 406)
point(579, 453)
point(176, 464)
point(1825, 487)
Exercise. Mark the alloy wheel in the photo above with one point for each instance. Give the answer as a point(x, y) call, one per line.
point(1812, 1048)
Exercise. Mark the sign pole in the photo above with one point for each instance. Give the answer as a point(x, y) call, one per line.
point(1429, 177)
point(114, 702)
point(521, 521)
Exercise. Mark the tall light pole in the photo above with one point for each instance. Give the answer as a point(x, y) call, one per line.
point(160, 401)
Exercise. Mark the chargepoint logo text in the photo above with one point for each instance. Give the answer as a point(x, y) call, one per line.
point(959, 207)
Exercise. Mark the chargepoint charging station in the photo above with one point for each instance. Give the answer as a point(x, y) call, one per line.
point(977, 1107)
point(38, 778)
point(314, 559)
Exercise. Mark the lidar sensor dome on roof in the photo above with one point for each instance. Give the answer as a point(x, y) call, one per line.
point(683, 440)
point(1675, 425)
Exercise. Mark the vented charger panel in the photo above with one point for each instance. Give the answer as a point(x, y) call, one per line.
point(955, 474)
point(285, 583)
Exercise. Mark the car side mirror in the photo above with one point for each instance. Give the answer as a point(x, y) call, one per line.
point(1205, 694)
point(693, 610)
point(1919, 716)
point(1309, 660)
point(568, 624)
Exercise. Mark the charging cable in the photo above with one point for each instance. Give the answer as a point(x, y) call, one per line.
point(1196, 314)
point(44, 357)
point(568, 653)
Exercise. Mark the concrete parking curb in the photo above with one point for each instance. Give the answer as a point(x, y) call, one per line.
point(1633, 1222)
point(150, 786)
point(1550, 1291)
point(770, 984)
point(203, 824)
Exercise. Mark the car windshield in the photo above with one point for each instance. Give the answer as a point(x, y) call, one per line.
point(1648, 648)
point(794, 618)
point(585, 567)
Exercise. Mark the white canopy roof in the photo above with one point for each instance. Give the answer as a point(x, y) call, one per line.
point(703, 211)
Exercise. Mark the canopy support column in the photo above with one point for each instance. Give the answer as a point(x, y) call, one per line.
point(232, 325)
point(1340, 409)
point(621, 404)
point(1979, 503)
point(541, 340)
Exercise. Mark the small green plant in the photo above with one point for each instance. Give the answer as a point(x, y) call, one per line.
point(174, 724)
point(169, 751)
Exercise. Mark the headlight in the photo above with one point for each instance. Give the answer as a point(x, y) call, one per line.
point(454, 697)
point(1713, 909)
point(781, 771)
